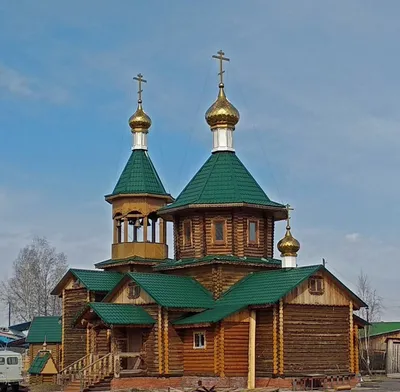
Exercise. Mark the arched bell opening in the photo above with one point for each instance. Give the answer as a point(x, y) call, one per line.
point(135, 220)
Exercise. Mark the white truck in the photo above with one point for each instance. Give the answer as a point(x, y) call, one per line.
point(10, 370)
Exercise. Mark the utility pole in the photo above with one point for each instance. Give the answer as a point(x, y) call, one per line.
point(9, 314)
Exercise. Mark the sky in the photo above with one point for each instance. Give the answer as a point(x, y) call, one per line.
point(316, 84)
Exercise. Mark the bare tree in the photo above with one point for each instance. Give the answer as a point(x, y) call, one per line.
point(36, 271)
point(373, 313)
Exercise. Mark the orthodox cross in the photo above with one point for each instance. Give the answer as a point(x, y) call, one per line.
point(221, 58)
point(288, 209)
point(140, 80)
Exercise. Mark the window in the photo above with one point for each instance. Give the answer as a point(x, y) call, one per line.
point(187, 233)
point(219, 231)
point(133, 290)
point(199, 340)
point(253, 232)
point(2, 361)
point(12, 361)
point(316, 285)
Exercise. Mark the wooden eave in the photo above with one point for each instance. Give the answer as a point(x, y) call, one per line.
point(110, 198)
point(279, 213)
point(188, 326)
point(222, 262)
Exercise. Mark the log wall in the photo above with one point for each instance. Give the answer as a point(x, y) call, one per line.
point(264, 343)
point(316, 339)
point(236, 348)
point(74, 339)
point(236, 233)
point(175, 346)
point(196, 361)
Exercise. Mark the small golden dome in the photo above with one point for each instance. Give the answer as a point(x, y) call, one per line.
point(222, 113)
point(288, 245)
point(139, 121)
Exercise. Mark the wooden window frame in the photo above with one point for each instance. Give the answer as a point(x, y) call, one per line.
point(187, 244)
point(313, 286)
point(225, 228)
point(194, 340)
point(257, 240)
point(134, 290)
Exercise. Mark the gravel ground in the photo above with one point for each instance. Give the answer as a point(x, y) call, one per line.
point(385, 384)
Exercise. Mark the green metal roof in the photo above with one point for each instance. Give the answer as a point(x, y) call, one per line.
point(223, 179)
point(174, 291)
point(169, 264)
point(39, 363)
point(135, 259)
point(139, 176)
point(121, 314)
point(45, 329)
point(213, 315)
point(384, 327)
point(259, 288)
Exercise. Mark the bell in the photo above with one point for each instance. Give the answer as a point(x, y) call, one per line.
point(138, 223)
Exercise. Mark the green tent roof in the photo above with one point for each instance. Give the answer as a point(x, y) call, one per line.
point(45, 329)
point(170, 264)
point(174, 291)
point(139, 176)
point(384, 327)
point(39, 363)
point(223, 179)
point(121, 314)
point(93, 280)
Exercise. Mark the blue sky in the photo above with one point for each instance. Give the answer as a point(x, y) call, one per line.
point(316, 83)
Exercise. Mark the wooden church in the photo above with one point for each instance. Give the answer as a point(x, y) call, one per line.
point(224, 312)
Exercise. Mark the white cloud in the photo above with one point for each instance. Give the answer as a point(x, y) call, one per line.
point(352, 237)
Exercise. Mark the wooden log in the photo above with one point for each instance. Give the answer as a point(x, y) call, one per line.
point(281, 337)
point(251, 380)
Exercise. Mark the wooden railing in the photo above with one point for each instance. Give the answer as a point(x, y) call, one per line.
point(97, 371)
point(71, 372)
point(118, 363)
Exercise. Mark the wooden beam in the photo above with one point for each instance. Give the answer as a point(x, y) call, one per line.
point(281, 359)
point(216, 349)
point(159, 342)
point(166, 342)
point(222, 351)
point(351, 338)
point(126, 229)
point(275, 340)
point(251, 378)
point(62, 331)
point(356, 353)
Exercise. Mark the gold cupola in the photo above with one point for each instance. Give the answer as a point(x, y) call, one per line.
point(222, 114)
point(140, 122)
point(288, 245)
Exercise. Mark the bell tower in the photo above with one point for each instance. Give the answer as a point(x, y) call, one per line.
point(139, 234)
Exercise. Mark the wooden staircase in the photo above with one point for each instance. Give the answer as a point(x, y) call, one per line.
point(88, 374)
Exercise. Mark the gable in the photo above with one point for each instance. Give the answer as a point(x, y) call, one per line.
point(121, 295)
point(50, 367)
point(332, 294)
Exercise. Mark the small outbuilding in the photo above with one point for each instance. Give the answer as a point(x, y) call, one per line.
point(43, 369)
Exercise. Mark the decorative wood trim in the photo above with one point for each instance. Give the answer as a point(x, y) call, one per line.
point(159, 336)
point(251, 379)
point(275, 340)
point(257, 240)
point(87, 329)
point(225, 225)
point(166, 343)
point(281, 347)
point(351, 337)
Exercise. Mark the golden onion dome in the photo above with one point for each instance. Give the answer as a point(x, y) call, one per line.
point(222, 113)
point(139, 121)
point(288, 245)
